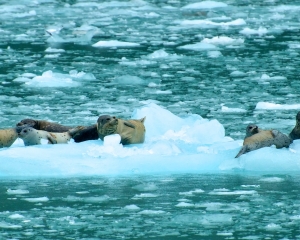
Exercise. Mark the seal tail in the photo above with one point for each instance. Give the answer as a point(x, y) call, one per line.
point(76, 130)
point(242, 151)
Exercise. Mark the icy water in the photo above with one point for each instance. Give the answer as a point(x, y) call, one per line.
point(159, 207)
point(231, 62)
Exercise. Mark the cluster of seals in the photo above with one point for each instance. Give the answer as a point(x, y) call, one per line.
point(257, 138)
point(84, 134)
point(8, 137)
point(31, 136)
point(131, 131)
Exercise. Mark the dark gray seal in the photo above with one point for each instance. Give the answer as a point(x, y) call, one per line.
point(295, 133)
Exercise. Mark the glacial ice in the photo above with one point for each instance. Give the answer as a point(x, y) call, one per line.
point(173, 145)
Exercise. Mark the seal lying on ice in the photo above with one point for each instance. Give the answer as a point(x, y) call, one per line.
point(258, 138)
point(131, 131)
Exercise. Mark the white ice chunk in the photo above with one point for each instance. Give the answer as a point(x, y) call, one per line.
point(115, 43)
point(260, 31)
point(275, 106)
point(223, 40)
point(51, 79)
point(205, 5)
point(208, 23)
point(38, 199)
point(199, 46)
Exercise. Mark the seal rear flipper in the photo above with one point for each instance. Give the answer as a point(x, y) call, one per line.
point(88, 133)
point(242, 151)
point(142, 120)
point(129, 124)
point(51, 138)
point(125, 141)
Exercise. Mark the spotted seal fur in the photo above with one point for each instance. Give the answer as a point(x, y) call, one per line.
point(31, 136)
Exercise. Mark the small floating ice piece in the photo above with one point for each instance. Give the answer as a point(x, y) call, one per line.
point(199, 47)
point(275, 106)
point(205, 5)
point(115, 43)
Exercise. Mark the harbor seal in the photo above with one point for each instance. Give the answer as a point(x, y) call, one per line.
point(8, 137)
point(86, 133)
point(295, 133)
point(31, 136)
point(43, 125)
point(264, 138)
point(131, 131)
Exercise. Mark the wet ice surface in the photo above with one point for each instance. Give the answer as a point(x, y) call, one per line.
point(229, 62)
point(164, 207)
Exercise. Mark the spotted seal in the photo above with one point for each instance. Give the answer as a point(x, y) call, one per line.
point(86, 133)
point(131, 131)
point(31, 136)
point(263, 138)
point(295, 133)
point(8, 137)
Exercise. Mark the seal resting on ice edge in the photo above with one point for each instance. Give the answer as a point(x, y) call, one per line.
point(86, 133)
point(8, 137)
point(295, 133)
point(31, 136)
point(264, 138)
point(131, 131)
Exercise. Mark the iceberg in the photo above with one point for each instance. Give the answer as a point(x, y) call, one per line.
point(173, 144)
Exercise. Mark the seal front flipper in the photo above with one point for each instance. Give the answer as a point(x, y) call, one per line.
point(129, 124)
point(242, 151)
point(51, 138)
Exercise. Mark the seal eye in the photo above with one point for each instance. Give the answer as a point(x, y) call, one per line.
point(25, 131)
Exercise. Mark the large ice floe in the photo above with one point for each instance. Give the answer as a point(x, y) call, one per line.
point(173, 145)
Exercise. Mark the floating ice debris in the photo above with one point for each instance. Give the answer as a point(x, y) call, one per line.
point(16, 216)
point(208, 23)
point(214, 54)
point(54, 50)
point(51, 79)
point(115, 43)
point(145, 187)
point(205, 5)
point(151, 212)
point(236, 110)
point(17, 191)
point(271, 179)
point(223, 40)
point(275, 106)
point(199, 47)
point(34, 200)
point(129, 80)
point(260, 31)
point(9, 226)
point(132, 207)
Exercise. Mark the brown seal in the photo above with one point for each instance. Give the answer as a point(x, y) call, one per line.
point(43, 125)
point(263, 138)
point(8, 137)
point(86, 133)
point(31, 136)
point(295, 133)
point(131, 131)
